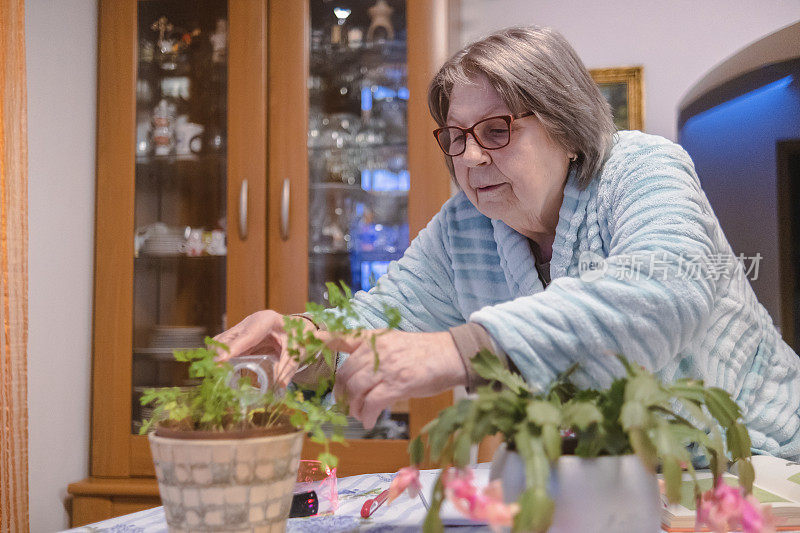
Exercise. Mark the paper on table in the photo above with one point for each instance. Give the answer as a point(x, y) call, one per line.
point(449, 514)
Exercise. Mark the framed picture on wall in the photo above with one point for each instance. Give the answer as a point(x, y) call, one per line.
point(623, 88)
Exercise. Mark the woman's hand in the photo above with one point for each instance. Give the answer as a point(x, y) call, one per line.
point(261, 333)
point(411, 365)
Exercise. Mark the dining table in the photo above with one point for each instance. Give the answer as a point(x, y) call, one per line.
point(403, 515)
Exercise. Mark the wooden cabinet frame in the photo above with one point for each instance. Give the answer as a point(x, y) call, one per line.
point(427, 23)
point(268, 66)
point(115, 452)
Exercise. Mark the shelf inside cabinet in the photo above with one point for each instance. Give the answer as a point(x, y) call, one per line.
point(173, 160)
point(145, 259)
point(329, 56)
point(333, 255)
point(357, 148)
point(206, 171)
point(153, 71)
point(158, 354)
point(351, 188)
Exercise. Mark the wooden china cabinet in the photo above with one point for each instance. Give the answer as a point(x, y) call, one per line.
point(247, 152)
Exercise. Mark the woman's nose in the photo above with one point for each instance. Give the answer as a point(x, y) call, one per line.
point(474, 155)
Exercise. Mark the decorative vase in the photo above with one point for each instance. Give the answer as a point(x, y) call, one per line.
point(591, 495)
point(226, 484)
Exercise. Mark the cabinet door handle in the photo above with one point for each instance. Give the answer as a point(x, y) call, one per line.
point(285, 210)
point(243, 210)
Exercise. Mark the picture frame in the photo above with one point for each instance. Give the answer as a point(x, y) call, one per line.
point(623, 87)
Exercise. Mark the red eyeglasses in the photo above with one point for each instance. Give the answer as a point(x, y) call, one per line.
point(490, 133)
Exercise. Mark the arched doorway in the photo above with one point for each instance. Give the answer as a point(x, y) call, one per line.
point(732, 123)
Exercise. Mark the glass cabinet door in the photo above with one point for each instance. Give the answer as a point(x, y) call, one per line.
point(348, 184)
point(179, 285)
point(357, 155)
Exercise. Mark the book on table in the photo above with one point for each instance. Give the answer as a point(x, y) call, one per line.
point(777, 483)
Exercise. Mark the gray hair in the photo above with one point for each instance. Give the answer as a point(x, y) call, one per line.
point(535, 69)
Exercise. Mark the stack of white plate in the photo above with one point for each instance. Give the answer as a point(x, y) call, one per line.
point(159, 354)
point(169, 337)
point(140, 412)
point(165, 244)
point(353, 430)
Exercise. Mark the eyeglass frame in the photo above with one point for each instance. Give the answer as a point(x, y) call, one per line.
point(509, 118)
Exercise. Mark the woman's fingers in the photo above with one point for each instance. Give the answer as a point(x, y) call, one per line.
point(411, 365)
point(238, 341)
point(248, 335)
point(355, 363)
point(285, 369)
point(356, 347)
point(357, 387)
point(338, 342)
point(377, 399)
point(234, 339)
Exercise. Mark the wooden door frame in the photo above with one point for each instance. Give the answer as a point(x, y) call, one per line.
point(427, 23)
point(246, 277)
point(786, 237)
point(112, 322)
point(115, 452)
point(288, 67)
point(287, 272)
point(14, 505)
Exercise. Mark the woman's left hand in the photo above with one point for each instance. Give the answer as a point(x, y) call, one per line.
point(411, 365)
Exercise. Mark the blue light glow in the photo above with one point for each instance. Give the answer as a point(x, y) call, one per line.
point(748, 98)
point(371, 271)
point(733, 148)
point(366, 99)
point(380, 179)
point(379, 92)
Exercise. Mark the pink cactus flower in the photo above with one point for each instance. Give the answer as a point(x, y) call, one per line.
point(458, 484)
point(757, 517)
point(407, 478)
point(482, 506)
point(723, 508)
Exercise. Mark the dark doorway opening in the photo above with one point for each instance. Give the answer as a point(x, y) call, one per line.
point(788, 186)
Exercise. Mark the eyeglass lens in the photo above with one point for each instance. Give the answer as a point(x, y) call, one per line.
point(491, 133)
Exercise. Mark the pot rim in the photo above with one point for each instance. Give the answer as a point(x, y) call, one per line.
point(162, 432)
point(602, 458)
point(571, 457)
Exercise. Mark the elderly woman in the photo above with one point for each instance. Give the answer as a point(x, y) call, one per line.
point(567, 242)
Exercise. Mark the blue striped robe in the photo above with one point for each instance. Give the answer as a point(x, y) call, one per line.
point(647, 219)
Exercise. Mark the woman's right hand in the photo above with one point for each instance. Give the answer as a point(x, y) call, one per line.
point(261, 333)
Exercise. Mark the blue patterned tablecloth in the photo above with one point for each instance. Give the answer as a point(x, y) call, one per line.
point(404, 514)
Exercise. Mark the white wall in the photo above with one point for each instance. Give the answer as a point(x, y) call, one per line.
point(61, 41)
point(677, 41)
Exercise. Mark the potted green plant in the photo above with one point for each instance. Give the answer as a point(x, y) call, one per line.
point(225, 451)
point(586, 459)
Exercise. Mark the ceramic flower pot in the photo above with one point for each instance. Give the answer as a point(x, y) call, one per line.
point(594, 495)
point(228, 484)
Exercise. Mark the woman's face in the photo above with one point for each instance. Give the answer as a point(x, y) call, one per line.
point(522, 183)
